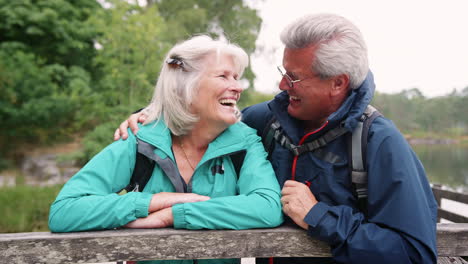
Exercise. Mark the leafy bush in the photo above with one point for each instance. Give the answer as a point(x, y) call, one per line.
point(26, 208)
point(96, 140)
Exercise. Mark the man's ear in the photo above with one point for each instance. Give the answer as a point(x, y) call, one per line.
point(340, 84)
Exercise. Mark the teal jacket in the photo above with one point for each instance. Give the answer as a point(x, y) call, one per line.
point(88, 201)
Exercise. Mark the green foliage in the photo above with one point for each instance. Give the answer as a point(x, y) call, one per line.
point(251, 97)
point(97, 139)
point(45, 77)
point(413, 113)
point(26, 208)
point(131, 49)
point(231, 19)
point(55, 30)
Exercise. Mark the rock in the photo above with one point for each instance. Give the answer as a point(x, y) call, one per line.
point(7, 181)
point(45, 170)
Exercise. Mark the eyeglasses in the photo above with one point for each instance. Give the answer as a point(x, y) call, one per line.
point(288, 79)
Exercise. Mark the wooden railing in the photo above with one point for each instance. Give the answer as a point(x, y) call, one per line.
point(440, 194)
point(139, 244)
point(167, 243)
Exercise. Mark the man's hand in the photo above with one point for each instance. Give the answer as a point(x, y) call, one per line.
point(159, 219)
point(167, 199)
point(297, 200)
point(132, 121)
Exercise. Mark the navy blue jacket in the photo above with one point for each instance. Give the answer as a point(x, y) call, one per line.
point(402, 212)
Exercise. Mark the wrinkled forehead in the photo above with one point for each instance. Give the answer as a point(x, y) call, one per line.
point(300, 60)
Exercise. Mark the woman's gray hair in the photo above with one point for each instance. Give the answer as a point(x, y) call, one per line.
point(341, 47)
point(179, 77)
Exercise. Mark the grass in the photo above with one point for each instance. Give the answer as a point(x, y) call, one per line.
point(26, 208)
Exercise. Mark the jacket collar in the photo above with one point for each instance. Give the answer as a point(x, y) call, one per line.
point(230, 140)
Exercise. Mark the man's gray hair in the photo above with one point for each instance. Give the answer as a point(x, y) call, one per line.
point(178, 80)
point(341, 47)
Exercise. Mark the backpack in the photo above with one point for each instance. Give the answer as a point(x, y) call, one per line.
point(356, 145)
point(146, 160)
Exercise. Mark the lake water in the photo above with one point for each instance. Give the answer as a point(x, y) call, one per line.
point(445, 164)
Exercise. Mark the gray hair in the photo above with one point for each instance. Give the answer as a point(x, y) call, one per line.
point(178, 82)
point(341, 47)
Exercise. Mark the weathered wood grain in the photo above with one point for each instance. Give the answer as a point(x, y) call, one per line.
point(451, 260)
point(138, 244)
point(115, 245)
point(452, 239)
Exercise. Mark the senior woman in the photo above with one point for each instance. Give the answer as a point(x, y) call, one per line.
point(193, 125)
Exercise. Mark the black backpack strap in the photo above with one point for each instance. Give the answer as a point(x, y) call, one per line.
point(237, 159)
point(320, 142)
point(275, 133)
point(142, 171)
point(268, 135)
point(357, 144)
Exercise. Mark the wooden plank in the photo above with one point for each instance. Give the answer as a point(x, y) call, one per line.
point(456, 218)
point(438, 198)
point(454, 196)
point(451, 260)
point(138, 244)
point(452, 240)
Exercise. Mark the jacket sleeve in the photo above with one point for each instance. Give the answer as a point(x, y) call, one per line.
point(88, 200)
point(402, 212)
point(257, 205)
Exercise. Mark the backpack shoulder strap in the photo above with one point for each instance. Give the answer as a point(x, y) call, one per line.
point(273, 132)
point(358, 153)
point(261, 118)
point(268, 135)
point(237, 159)
point(142, 171)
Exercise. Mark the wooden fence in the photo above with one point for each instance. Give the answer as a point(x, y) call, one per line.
point(167, 243)
point(440, 194)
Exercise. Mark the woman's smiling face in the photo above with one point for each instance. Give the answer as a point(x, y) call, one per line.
point(218, 91)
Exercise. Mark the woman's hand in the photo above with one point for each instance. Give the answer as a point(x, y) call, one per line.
point(132, 121)
point(167, 199)
point(160, 209)
point(159, 219)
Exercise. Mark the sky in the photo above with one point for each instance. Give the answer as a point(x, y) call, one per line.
point(411, 43)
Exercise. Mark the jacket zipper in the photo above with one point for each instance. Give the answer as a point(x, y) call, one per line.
point(293, 169)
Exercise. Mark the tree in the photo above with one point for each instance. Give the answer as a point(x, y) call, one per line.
point(57, 31)
point(231, 19)
point(132, 44)
point(45, 67)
